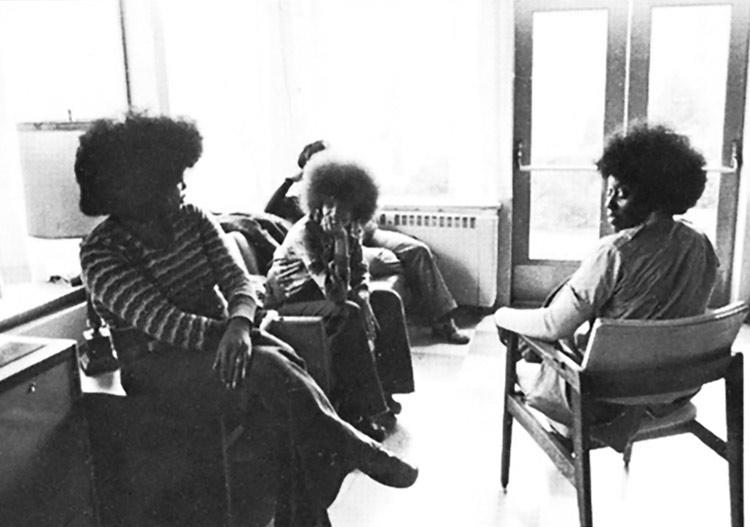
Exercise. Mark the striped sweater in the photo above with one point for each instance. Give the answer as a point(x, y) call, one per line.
point(168, 293)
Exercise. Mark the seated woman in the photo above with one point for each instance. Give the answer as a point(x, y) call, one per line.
point(319, 270)
point(161, 267)
point(652, 267)
point(387, 253)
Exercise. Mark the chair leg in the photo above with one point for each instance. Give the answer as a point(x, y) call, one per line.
point(510, 381)
point(227, 470)
point(627, 453)
point(735, 438)
point(581, 446)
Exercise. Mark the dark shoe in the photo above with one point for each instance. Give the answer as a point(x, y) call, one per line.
point(447, 331)
point(386, 420)
point(388, 469)
point(370, 428)
point(393, 405)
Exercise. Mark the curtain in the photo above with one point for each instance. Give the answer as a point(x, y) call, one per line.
point(407, 86)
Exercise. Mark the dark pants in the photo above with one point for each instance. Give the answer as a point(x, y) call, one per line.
point(362, 378)
point(312, 448)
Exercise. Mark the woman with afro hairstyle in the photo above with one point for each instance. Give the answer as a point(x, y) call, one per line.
point(387, 253)
point(319, 270)
point(653, 267)
point(160, 271)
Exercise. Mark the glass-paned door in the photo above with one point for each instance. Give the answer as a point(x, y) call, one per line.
point(569, 93)
point(689, 71)
point(583, 69)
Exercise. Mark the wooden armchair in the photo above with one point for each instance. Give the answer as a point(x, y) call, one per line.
point(636, 362)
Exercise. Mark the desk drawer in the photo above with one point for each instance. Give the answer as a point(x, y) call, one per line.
point(45, 474)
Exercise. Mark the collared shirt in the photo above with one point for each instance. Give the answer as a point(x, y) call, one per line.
point(306, 259)
point(661, 269)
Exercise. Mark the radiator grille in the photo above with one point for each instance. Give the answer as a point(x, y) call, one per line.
point(465, 244)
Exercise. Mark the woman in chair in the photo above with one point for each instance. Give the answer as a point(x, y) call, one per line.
point(319, 270)
point(162, 268)
point(653, 267)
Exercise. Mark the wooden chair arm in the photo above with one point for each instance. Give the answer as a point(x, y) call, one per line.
point(559, 360)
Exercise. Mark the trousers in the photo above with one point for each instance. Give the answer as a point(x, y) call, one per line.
point(420, 269)
point(362, 378)
point(288, 418)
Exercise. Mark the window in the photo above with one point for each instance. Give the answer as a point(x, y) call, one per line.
point(411, 95)
point(60, 60)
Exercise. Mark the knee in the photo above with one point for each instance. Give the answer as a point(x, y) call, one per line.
point(267, 359)
point(420, 252)
point(422, 249)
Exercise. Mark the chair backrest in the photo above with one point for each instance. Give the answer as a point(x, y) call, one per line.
point(647, 357)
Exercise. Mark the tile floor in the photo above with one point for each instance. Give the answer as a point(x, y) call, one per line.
point(451, 427)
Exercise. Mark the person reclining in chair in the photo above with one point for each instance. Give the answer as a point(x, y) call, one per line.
point(653, 267)
point(162, 269)
point(387, 253)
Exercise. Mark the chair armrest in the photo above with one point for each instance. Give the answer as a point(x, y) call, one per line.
point(560, 361)
point(308, 337)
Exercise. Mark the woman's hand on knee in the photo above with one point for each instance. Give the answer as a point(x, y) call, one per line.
point(234, 353)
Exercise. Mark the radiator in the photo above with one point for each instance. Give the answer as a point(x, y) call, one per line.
point(465, 243)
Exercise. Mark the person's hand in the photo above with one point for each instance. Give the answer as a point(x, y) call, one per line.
point(234, 353)
point(332, 225)
point(288, 271)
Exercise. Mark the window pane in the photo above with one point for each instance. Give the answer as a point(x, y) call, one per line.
point(569, 75)
point(688, 73)
point(264, 81)
point(62, 58)
point(564, 216)
point(687, 87)
point(567, 126)
point(703, 215)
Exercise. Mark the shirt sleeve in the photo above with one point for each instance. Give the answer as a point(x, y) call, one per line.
point(234, 283)
point(292, 268)
point(127, 293)
point(575, 303)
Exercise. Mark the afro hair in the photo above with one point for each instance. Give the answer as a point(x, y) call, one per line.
point(122, 164)
point(658, 164)
point(346, 182)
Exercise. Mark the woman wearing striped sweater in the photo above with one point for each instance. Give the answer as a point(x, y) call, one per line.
point(161, 268)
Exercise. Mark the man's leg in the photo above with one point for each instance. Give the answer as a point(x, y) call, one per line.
point(381, 262)
point(328, 446)
point(424, 277)
point(312, 449)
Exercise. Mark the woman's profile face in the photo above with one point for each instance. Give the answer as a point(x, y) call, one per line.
point(624, 208)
